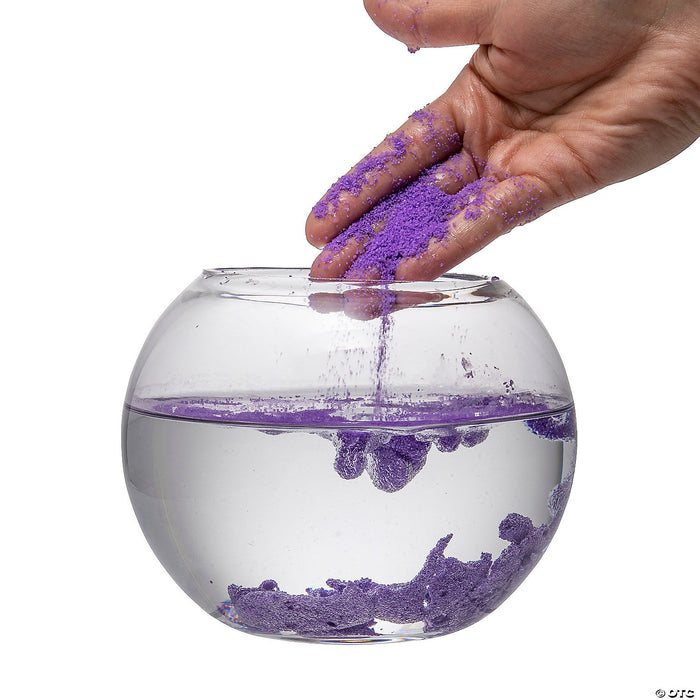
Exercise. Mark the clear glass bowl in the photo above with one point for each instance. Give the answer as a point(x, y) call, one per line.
point(343, 462)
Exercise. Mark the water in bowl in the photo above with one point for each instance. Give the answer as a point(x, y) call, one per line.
point(295, 521)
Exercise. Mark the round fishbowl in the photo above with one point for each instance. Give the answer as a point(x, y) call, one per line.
point(339, 461)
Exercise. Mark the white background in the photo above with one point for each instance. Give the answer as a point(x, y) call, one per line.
point(143, 140)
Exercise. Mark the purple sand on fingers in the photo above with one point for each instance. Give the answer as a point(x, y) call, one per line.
point(403, 224)
point(397, 148)
point(363, 174)
point(418, 212)
point(445, 595)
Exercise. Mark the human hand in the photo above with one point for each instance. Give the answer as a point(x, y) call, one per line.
point(562, 98)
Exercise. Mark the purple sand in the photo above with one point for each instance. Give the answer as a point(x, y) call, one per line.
point(366, 172)
point(404, 223)
point(348, 413)
point(363, 174)
point(558, 427)
point(416, 212)
point(392, 463)
point(446, 594)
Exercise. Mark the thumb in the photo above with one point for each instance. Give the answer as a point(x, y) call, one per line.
point(420, 23)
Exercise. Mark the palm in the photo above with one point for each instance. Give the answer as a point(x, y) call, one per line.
point(556, 112)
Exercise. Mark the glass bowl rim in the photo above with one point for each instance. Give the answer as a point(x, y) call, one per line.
point(301, 274)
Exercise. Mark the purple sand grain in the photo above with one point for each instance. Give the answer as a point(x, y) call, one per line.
point(446, 595)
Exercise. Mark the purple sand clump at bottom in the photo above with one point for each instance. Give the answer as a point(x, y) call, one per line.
point(446, 594)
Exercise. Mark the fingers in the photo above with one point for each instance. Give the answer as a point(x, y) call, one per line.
point(336, 261)
point(401, 225)
point(333, 262)
point(428, 137)
point(456, 172)
point(338, 257)
point(452, 230)
point(498, 208)
point(419, 23)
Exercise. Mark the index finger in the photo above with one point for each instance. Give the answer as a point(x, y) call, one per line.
point(427, 137)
